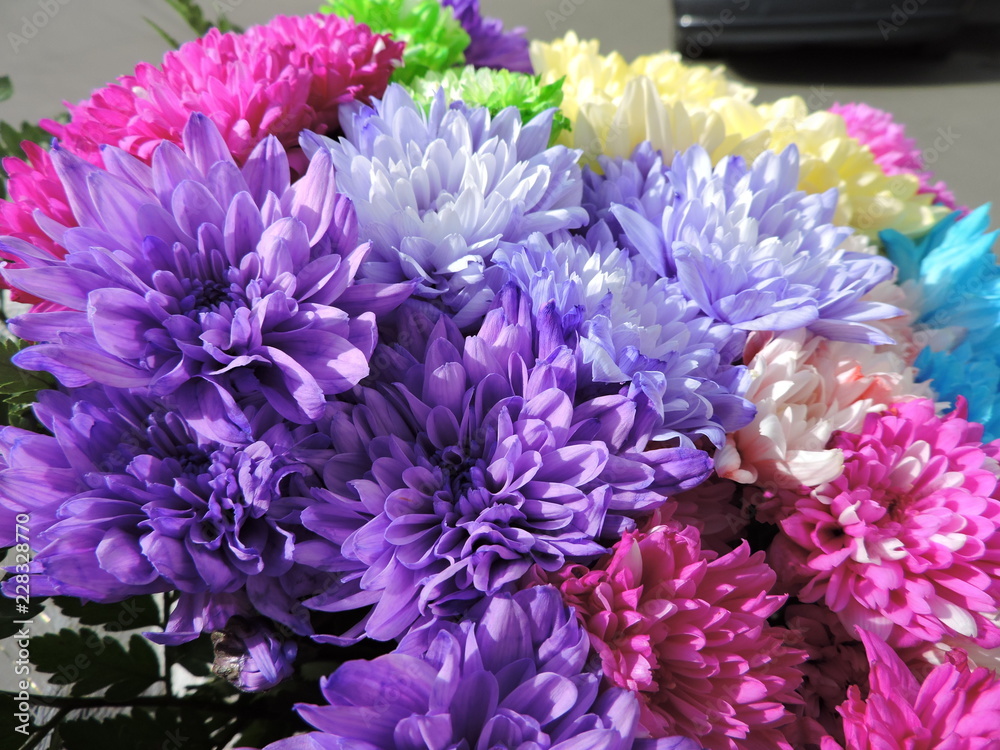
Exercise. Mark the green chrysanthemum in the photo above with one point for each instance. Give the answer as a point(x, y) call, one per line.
point(435, 40)
point(495, 90)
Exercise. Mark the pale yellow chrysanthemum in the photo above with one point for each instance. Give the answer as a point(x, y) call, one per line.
point(614, 106)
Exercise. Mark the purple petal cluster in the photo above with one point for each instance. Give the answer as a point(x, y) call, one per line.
point(639, 331)
point(126, 499)
point(482, 464)
point(742, 242)
point(491, 46)
point(250, 656)
point(514, 674)
point(203, 283)
point(438, 192)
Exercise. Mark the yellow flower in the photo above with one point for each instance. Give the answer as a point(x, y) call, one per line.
point(615, 105)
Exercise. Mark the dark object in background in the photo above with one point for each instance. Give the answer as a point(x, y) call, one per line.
point(711, 27)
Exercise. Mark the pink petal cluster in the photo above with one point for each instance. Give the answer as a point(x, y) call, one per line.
point(277, 79)
point(719, 508)
point(905, 543)
point(805, 388)
point(893, 151)
point(688, 631)
point(954, 708)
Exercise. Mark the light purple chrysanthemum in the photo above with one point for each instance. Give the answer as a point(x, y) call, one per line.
point(491, 46)
point(202, 282)
point(126, 499)
point(481, 465)
point(250, 656)
point(641, 331)
point(742, 241)
point(515, 674)
point(438, 192)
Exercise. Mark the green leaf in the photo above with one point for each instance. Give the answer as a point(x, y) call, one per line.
point(162, 32)
point(173, 728)
point(91, 663)
point(131, 614)
point(195, 656)
point(192, 14)
point(19, 388)
point(9, 613)
point(6, 88)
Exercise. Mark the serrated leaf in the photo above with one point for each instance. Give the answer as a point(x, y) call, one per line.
point(195, 656)
point(173, 727)
point(91, 663)
point(9, 613)
point(132, 614)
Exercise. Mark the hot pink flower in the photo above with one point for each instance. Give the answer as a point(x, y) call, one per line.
point(688, 631)
point(905, 543)
point(893, 151)
point(278, 79)
point(956, 708)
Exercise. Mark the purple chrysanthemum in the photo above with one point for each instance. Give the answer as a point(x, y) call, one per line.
point(250, 656)
point(438, 192)
point(491, 46)
point(481, 465)
point(203, 283)
point(126, 499)
point(639, 331)
point(742, 241)
point(515, 674)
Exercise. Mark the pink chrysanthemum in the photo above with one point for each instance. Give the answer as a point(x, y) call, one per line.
point(955, 708)
point(289, 75)
point(893, 151)
point(688, 631)
point(905, 543)
point(718, 508)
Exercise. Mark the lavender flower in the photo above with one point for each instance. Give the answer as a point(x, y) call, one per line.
point(436, 193)
point(491, 46)
point(126, 499)
point(743, 243)
point(199, 282)
point(250, 656)
point(515, 674)
point(641, 331)
point(481, 465)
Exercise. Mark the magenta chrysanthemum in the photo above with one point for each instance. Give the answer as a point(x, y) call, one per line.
point(893, 151)
point(688, 631)
point(906, 542)
point(955, 708)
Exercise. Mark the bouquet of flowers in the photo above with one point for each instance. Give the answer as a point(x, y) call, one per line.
point(442, 390)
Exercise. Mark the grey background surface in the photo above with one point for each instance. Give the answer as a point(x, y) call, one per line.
point(84, 43)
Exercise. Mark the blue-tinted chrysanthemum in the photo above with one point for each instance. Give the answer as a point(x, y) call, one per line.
point(743, 242)
point(516, 674)
point(641, 331)
point(437, 192)
point(126, 499)
point(490, 46)
point(482, 463)
point(955, 281)
point(199, 281)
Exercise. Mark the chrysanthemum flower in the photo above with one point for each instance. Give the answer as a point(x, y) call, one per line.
point(489, 45)
point(687, 631)
point(635, 330)
point(955, 707)
point(482, 463)
point(125, 499)
point(744, 244)
point(893, 151)
point(805, 388)
point(953, 280)
point(437, 192)
point(494, 89)
point(250, 656)
point(905, 543)
point(204, 283)
point(432, 36)
point(514, 674)
point(278, 79)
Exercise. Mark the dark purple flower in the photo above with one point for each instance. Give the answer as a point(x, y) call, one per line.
point(204, 283)
point(491, 46)
point(471, 461)
point(126, 499)
point(250, 656)
point(515, 675)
